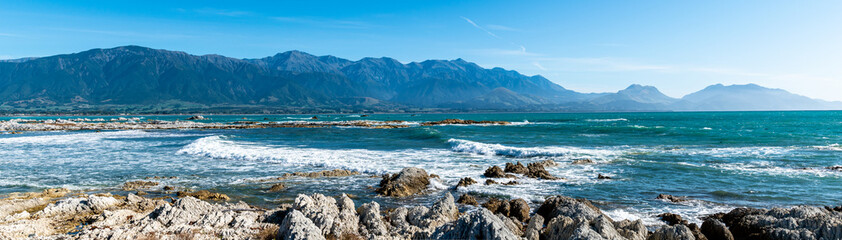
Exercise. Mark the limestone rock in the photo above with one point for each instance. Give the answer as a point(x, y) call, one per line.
point(677, 232)
point(296, 226)
point(407, 182)
point(204, 195)
point(480, 224)
point(533, 229)
point(371, 223)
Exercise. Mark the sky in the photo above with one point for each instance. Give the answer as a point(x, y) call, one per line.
point(588, 46)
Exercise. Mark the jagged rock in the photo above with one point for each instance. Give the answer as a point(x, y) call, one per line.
point(296, 226)
point(715, 230)
point(135, 185)
point(600, 176)
point(490, 182)
point(516, 168)
point(536, 170)
point(677, 232)
point(547, 163)
point(443, 211)
point(582, 161)
point(77, 206)
point(204, 195)
point(464, 182)
point(671, 198)
point(460, 121)
point(565, 206)
point(467, 200)
point(334, 219)
point(372, 224)
point(496, 172)
point(533, 229)
point(480, 224)
point(564, 227)
point(834, 168)
point(197, 117)
point(401, 226)
point(510, 183)
point(672, 219)
point(631, 230)
point(407, 182)
point(800, 222)
point(169, 188)
point(512, 224)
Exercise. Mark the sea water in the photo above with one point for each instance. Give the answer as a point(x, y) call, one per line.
point(720, 160)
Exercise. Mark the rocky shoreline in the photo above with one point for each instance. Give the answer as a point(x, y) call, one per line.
point(25, 125)
point(62, 214)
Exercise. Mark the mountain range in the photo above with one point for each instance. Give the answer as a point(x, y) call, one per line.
point(144, 80)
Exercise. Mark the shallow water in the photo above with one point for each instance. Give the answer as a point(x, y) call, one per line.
point(723, 160)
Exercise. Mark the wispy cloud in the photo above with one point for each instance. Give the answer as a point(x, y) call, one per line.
point(327, 23)
point(501, 28)
point(520, 46)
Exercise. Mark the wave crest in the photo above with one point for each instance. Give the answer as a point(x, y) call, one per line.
point(466, 146)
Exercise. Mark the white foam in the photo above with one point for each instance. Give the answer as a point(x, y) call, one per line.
point(83, 137)
point(466, 146)
point(607, 120)
point(831, 147)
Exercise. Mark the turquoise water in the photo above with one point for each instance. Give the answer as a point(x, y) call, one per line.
point(723, 160)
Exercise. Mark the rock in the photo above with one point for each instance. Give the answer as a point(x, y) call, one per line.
point(632, 230)
point(671, 198)
point(480, 224)
point(564, 206)
point(443, 211)
point(371, 223)
point(467, 199)
point(582, 161)
point(834, 168)
point(533, 229)
point(677, 232)
point(511, 224)
point(169, 188)
point(78, 206)
point(536, 170)
point(515, 168)
point(672, 219)
point(490, 182)
point(460, 121)
point(204, 195)
point(600, 176)
point(496, 205)
point(135, 185)
point(314, 118)
point(510, 183)
point(519, 209)
point(320, 174)
point(800, 222)
point(715, 230)
point(334, 219)
point(496, 172)
point(547, 163)
point(464, 182)
point(197, 117)
point(434, 176)
point(564, 227)
point(296, 226)
point(277, 187)
point(408, 182)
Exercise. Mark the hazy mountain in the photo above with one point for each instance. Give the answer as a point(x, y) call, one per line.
point(139, 79)
point(747, 98)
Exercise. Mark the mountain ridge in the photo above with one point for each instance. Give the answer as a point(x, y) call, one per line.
point(139, 79)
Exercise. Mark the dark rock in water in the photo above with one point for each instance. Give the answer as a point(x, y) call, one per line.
point(671, 198)
point(197, 117)
point(715, 230)
point(134, 185)
point(672, 219)
point(565, 206)
point(434, 176)
point(460, 121)
point(496, 205)
point(600, 176)
point(204, 195)
point(464, 182)
point(510, 183)
point(835, 168)
point(496, 172)
point(835, 209)
point(364, 115)
point(547, 163)
point(314, 118)
point(490, 182)
point(516, 168)
point(277, 187)
point(536, 170)
point(169, 188)
point(582, 161)
point(467, 200)
point(801, 222)
point(407, 182)
point(519, 209)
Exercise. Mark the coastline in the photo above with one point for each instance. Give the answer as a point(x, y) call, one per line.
point(63, 214)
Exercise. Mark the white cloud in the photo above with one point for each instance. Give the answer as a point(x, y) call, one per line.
point(501, 28)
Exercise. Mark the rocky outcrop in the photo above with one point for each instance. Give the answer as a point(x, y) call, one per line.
point(536, 170)
point(517, 208)
point(408, 181)
point(515, 168)
point(296, 226)
point(677, 232)
point(582, 161)
point(480, 224)
point(579, 219)
point(135, 185)
point(204, 195)
point(464, 122)
point(464, 182)
point(801, 222)
point(671, 198)
point(496, 172)
point(277, 187)
point(533, 229)
point(467, 199)
point(372, 225)
point(334, 218)
point(715, 230)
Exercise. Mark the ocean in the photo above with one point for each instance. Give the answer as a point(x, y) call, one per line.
point(720, 160)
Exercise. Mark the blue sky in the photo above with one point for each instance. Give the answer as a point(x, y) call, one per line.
point(589, 46)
